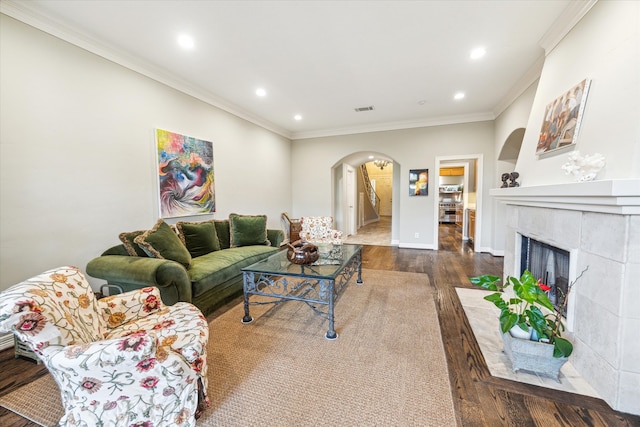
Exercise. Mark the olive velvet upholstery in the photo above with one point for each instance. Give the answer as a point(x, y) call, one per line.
point(198, 269)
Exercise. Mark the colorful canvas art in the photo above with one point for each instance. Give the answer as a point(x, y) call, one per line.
point(185, 171)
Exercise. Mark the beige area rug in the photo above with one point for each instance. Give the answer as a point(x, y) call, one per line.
point(387, 366)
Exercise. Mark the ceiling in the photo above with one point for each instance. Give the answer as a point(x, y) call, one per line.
point(319, 59)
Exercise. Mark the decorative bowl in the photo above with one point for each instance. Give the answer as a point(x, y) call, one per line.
point(301, 252)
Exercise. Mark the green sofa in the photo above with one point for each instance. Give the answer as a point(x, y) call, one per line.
point(205, 272)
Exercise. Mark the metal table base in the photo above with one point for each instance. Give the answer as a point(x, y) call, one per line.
point(319, 293)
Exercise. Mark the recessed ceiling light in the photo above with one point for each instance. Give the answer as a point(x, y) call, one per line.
point(261, 92)
point(186, 41)
point(458, 95)
point(297, 117)
point(478, 53)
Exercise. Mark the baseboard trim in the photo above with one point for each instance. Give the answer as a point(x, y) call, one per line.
point(416, 246)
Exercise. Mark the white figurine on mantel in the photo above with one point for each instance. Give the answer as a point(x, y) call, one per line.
point(584, 168)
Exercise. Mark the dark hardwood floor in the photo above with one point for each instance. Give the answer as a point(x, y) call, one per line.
point(479, 398)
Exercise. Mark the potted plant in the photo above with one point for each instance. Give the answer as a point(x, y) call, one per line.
point(524, 310)
point(529, 309)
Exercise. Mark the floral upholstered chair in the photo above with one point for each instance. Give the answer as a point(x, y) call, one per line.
point(319, 230)
point(119, 361)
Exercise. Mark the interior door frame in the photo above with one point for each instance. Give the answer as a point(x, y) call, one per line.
point(479, 196)
point(350, 210)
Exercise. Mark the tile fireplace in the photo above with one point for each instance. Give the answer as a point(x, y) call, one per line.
point(598, 224)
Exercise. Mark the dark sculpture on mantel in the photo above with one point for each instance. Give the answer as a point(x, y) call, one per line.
point(511, 177)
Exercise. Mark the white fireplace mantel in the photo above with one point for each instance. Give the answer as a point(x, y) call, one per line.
point(598, 222)
point(617, 196)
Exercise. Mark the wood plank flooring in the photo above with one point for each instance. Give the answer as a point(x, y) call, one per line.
point(479, 398)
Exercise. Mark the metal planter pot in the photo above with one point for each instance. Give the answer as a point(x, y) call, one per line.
point(533, 356)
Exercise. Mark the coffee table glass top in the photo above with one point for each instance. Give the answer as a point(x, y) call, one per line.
point(328, 265)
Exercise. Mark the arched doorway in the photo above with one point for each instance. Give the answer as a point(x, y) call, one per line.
point(356, 205)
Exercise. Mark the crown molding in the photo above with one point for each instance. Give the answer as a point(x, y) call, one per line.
point(529, 78)
point(381, 127)
point(24, 13)
point(571, 15)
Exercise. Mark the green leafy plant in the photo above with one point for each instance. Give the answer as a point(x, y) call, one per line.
point(524, 308)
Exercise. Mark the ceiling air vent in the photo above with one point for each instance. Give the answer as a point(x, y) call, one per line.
point(361, 109)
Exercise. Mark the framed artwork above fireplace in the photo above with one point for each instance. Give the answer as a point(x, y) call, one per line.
point(562, 119)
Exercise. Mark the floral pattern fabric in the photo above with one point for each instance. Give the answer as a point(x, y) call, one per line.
point(124, 360)
point(319, 229)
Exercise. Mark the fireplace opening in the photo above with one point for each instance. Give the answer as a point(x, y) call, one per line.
point(551, 265)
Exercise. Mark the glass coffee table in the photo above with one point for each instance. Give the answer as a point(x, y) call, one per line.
point(318, 285)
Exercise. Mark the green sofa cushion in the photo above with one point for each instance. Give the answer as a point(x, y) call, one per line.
point(200, 238)
point(162, 242)
point(218, 267)
point(248, 230)
point(222, 230)
point(127, 238)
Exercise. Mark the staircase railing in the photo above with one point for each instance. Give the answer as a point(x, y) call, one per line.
point(373, 197)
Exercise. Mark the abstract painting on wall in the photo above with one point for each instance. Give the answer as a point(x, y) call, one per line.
point(562, 119)
point(185, 172)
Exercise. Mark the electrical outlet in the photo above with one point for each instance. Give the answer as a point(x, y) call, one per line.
point(417, 235)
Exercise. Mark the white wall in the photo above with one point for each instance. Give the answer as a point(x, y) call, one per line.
point(77, 158)
point(605, 47)
point(312, 160)
point(513, 117)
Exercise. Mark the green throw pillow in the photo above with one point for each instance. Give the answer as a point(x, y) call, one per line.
point(247, 230)
point(132, 248)
point(200, 238)
point(222, 230)
point(162, 242)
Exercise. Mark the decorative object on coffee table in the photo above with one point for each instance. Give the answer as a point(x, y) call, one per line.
point(301, 252)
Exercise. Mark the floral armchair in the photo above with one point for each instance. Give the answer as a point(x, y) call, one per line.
point(122, 360)
point(319, 229)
